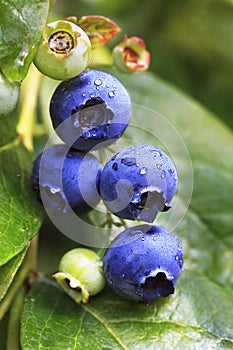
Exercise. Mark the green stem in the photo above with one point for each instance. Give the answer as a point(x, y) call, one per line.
point(30, 89)
point(28, 265)
point(13, 334)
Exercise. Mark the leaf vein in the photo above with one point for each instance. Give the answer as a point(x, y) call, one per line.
point(105, 324)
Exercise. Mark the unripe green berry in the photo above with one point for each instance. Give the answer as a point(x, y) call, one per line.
point(65, 50)
point(81, 274)
point(9, 94)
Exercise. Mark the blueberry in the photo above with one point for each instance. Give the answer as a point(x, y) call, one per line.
point(138, 182)
point(90, 110)
point(66, 178)
point(143, 262)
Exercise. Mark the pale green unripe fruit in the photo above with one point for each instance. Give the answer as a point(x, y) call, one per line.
point(9, 95)
point(64, 52)
point(81, 274)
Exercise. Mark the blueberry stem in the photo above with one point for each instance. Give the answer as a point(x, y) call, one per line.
point(28, 102)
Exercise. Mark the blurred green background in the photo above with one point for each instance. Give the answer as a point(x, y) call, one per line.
point(191, 42)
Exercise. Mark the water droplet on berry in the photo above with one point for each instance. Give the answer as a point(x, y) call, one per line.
point(128, 161)
point(92, 95)
point(143, 238)
point(135, 232)
point(111, 94)
point(143, 171)
point(54, 190)
point(97, 82)
point(76, 123)
point(115, 166)
point(83, 95)
point(159, 166)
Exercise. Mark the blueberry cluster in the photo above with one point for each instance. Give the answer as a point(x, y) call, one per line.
point(90, 112)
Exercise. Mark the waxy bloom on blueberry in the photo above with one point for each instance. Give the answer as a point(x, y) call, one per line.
point(66, 179)
point(138, 182)
point(81, 274)
point(65, 50)
point(130, 55)
point(90, 110)
point(143, 263)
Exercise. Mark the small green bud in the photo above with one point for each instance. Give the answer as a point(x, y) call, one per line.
point(81, 274)
point(65, 50)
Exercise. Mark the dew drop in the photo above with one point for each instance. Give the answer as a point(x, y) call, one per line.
point(54, 190)
point(115, 166)
point(143, 238)
point(83, 95)
point(159, 166)
point(135, 232)
point(20, 60)
point(97, 82)
point(76, 124)
point(143, 171)
point(92, 95)
point(128, 161)
point(111, 94)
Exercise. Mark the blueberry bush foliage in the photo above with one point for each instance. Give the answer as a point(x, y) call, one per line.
point(34, 311)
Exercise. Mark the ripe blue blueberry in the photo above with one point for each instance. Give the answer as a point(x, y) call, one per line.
point(138, 182)
point(143, 263)
point(65, 178)
point(90, 110)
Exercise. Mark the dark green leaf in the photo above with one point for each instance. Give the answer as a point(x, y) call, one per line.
point(8, 271)
point(20, 212)
point(191, 319)
point(21, 24)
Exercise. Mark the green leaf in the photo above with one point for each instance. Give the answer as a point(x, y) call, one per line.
point(8, 271)
point(191, 317)
point(20, 212)
point(21, 27)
